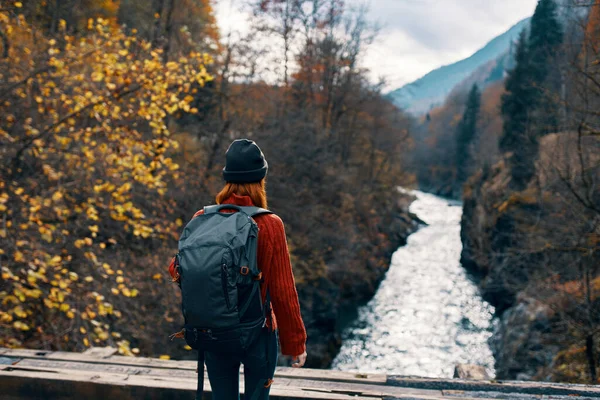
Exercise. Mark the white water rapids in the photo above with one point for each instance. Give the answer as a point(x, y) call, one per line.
point(427, 315)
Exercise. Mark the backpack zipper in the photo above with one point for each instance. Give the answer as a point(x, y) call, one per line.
point(224, 279)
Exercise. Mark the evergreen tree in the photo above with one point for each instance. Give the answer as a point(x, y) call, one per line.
point(517, 100)
point(527, 108)
point(545, 37)
point(466, 134)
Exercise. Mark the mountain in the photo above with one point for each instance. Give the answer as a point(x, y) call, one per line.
point(432, 89)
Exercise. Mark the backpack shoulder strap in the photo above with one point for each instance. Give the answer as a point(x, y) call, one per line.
point(250, 211)
point(218, 207)
point(211, 209)
point(254, 211)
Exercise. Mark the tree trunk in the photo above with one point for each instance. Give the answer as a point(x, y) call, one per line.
point(158, 9)
point(168, 31)
point(5, 45)
point(590, 354)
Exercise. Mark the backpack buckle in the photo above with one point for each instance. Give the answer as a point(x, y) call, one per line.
point(244, 270)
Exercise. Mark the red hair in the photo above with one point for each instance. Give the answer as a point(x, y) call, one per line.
point(255, 190)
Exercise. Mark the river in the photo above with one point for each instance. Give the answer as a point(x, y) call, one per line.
point(427, 315)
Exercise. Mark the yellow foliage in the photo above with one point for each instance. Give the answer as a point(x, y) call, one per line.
point(85, 116)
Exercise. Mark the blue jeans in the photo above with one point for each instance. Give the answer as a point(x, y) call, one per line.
point(259, 362)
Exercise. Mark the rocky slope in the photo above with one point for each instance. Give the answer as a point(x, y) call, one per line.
point(525, 249)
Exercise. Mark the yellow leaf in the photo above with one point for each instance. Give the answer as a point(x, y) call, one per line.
point(18, 311)
point(164, 357)
point(82, 330)
point(18, 256)
point(97, 76)
point(5, 317)
point(21, 326)
point(86, 342)
point(18, 4)
point(57, 196)
point(157, 277)
point(88, 279)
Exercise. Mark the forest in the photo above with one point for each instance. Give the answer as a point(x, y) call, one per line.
point(524, 156)
point(114, 120)
point(115, 117)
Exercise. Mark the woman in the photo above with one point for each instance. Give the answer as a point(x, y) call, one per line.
point(244, 174)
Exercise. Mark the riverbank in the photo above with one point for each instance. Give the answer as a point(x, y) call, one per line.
point(535, 252)
point(427, 315)
point(328, 300)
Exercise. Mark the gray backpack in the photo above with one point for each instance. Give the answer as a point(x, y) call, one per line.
point(220, 280)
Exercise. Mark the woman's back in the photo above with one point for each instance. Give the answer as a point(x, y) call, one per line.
point(244, 174)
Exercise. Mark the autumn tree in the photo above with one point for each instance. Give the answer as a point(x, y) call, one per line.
point(173, 25)
point(86, 165)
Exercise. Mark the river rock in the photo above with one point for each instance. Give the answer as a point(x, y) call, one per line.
point(518, 341)
point(468, 371)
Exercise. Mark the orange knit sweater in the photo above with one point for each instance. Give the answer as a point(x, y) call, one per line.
point(274, 262)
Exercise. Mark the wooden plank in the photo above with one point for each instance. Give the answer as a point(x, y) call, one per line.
point(335, 387)
point(100, 352)
point(330, 375)
point(462, 395)
point(107, 376)
point(522, 387)
point(284, 372)
point(356, 388)
point(23, 384)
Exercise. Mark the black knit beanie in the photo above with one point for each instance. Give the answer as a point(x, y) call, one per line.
point(244, 162)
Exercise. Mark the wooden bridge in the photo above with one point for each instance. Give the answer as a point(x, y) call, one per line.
point(100, 374)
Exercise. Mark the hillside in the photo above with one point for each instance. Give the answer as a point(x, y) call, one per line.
point(519, 244)
point(432, 89)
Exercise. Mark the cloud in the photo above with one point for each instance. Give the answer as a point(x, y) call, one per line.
point(416, 36)
point(420, 35)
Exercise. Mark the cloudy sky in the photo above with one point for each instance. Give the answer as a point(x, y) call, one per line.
point(419, 35)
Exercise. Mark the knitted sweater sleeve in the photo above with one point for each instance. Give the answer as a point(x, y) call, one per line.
point(282, 288)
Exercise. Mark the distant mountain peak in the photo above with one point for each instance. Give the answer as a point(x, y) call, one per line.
point(431, 90)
